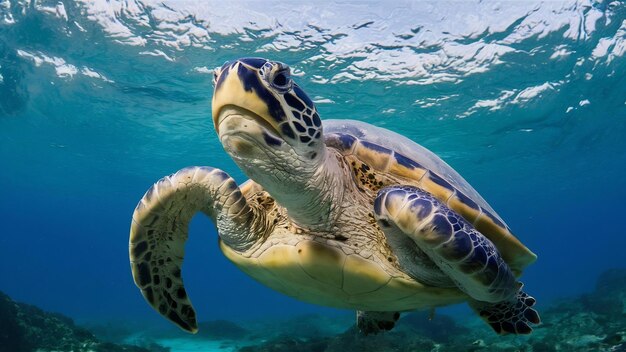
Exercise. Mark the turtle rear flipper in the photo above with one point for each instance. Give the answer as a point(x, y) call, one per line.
point(509, 317)
point(375, 322)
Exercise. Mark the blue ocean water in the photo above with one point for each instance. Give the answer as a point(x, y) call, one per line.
point(99, 99)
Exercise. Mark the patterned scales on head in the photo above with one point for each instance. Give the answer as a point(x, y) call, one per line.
point(339, 213)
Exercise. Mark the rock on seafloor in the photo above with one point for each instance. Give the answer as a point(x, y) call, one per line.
point(25, 328)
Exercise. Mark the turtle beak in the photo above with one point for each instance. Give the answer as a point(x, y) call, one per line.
point(230, 93)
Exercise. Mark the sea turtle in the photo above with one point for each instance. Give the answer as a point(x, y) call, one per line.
point(338, 213)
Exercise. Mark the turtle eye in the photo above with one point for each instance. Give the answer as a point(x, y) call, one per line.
point(281, 80)
point(216, 74)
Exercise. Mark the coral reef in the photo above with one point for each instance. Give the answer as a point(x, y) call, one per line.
point(113, 330)
point(411, 334)
point(25, 328)
point(12, 336)
point(301, 326)
point(591, 322)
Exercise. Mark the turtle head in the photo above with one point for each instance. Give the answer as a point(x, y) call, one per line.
point(265, 121)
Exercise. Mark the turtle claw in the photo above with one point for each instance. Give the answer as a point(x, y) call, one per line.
point(509, 317)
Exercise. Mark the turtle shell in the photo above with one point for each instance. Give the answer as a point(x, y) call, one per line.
point(388, 152)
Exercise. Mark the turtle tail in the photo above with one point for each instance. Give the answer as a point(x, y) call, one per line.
point(513, 316)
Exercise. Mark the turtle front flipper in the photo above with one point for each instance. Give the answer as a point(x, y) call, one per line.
point(513, 316)
point(159, 230)
point(458, 250)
